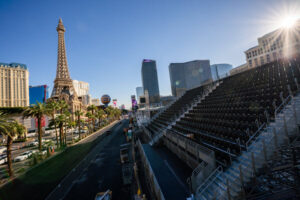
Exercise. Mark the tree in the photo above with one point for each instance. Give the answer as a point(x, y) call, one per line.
point(113, 113)
point(37, 111)
point(11, 129)
point(60, 119)
point(78, 114)
point(71, 124)
point(109, 111)
point(93, 109)
point(52, 107)
point(100, 114)
point(62, 106)
point(68, 120)
point(90, 117)
point(117, 113)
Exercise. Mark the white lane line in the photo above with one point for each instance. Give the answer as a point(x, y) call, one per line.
point(176, 177)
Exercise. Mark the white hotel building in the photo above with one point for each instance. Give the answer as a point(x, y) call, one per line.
point(283, 42)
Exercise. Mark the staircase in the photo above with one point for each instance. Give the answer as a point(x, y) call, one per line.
point(186, 109)
point(228, 184)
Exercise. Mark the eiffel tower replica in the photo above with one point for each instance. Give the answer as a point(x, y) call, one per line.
point(63, 85)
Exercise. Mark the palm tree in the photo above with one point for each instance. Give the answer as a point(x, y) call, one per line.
point(52, 107)
point(117, 113)
point(108, 111)
point(11, 129)
point(68, 119)
point(78, 114)
point(112, 113)
point(38, 111)
point(62, 106)
point(4, 130)
point(93, 109)
point(100, 114)
point(60, 119)
point(71, 124)
point(90, 117)
point(15, 129)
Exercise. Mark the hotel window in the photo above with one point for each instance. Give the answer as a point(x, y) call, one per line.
point(255, 61)
point(274, 55)
point(250, 63)
point(262, 60)
point(268, 58)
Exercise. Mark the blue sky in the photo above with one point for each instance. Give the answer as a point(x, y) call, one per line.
point(107, 40)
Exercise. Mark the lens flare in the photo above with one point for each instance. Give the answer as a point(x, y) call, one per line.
point(288, 21)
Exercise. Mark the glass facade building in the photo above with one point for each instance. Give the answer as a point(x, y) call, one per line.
point(150, 80)
point(220, 70)
point(38, 94)
point(139, 92)
point(188, 75)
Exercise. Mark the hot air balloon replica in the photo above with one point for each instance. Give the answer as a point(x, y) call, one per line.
point(105, 99)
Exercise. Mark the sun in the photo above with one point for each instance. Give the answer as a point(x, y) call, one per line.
point(288, 21)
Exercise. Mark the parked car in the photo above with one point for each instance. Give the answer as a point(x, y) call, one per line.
point(45, 140)
point(43, 152)
point(2, 150)
point(3, 159)
point(24, 155)
point(21, 157)
point(33, 143)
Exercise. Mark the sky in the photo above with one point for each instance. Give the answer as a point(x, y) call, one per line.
point(106, 40)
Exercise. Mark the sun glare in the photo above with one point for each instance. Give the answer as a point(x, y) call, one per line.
point(288, 21)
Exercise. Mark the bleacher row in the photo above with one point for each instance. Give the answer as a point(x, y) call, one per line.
point(230, 116)
point(174, 110)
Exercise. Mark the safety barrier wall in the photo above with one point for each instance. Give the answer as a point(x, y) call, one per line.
point(150, 174)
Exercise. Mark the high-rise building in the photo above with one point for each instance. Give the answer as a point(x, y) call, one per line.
point(14, 85)
point(139, 92)
point(188, 75)
point(283, 42)
point(86, 99)
point(63, 85)
point(220, 71)
point(150, 80)
point(38, 93)
point(96, 102)
point(82, 89)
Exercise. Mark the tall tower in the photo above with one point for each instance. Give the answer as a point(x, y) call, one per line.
point(63, 85)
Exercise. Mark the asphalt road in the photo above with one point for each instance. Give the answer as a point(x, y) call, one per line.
point(170, 172)
point(100, 170)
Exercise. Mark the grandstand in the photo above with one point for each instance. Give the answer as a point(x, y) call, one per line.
point(246, 123)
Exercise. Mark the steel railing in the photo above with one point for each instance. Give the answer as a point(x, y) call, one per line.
point(261, 148)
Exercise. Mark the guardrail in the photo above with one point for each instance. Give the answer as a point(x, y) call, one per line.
point(255, 135)
point(148, 169)
point(278, 110)
point(210, 179)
